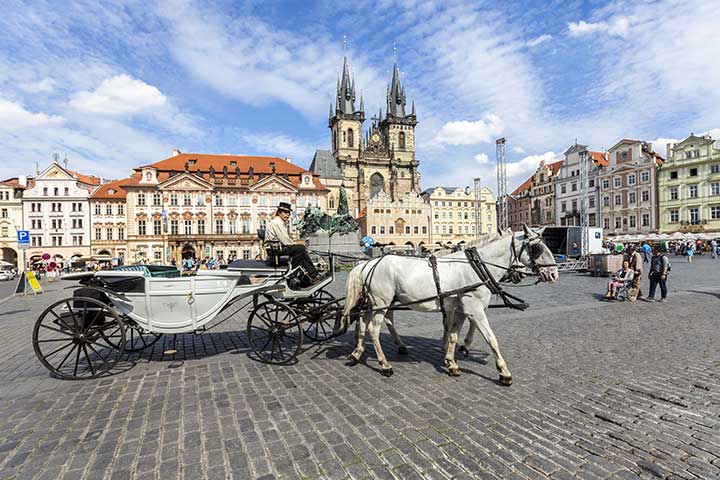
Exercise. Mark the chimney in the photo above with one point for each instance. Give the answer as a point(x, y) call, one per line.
point(668, 150)
point(176, 152)
point(288, 159)
point(22, 180)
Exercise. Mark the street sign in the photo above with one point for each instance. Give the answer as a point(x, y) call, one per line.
point(23, 236)
point(23, 246)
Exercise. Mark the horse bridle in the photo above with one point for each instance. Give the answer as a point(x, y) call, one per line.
point(517, 270)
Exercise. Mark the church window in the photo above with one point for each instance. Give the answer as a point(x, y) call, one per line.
point(377, 184)
point(401, 140)
point(334, 140)
point(344, 137)
point(350, 138)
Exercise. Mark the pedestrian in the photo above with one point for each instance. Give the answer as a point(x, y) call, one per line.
point(659, 269)
point(689, 252)
point(646, 252)
point(713, 248)
point(635, 262)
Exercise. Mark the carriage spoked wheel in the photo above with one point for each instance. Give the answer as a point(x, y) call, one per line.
point(136, 339)
point(72, 338)
point(313, 312)
point(274, 332)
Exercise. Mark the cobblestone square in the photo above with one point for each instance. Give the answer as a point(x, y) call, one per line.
point(602, 390)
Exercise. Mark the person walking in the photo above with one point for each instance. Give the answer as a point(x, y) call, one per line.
point(689, 252)
point(646, 252)
point(713, 248)
point(659, 268)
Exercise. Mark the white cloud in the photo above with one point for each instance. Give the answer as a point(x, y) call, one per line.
point(518, 150)
point(527, 166)
point(618, 26)
point(119, 95)
point(279, 145)
point(482, 158)
point(538, 40)
point(470, 133)
point(45, 85)
point(13, 117)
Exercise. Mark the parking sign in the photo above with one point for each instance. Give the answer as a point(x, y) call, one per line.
point(23, 238)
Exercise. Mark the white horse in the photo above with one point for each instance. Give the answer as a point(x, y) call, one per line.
point(407, 280)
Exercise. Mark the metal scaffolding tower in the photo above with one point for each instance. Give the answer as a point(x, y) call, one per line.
point(478, 208)
point(502, 207)
point(584, 193)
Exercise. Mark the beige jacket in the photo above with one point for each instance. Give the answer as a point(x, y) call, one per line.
point(277, 231)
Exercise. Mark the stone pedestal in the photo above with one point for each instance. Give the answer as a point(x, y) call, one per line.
point(348, 243)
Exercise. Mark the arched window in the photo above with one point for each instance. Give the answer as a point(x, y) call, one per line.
point(377, 184)
point(344, 137)
point(331, 203)
point(350, 138)
point(401, 141)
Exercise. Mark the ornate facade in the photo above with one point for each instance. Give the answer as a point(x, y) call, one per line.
point(210, 206)
point(453, 213)
point(568, 188)
point(108, 219)
point(542, 210)
point(11, 218)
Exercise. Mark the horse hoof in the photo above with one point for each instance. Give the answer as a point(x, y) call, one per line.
point(464, 351)
point(402, 351)
point(352, 361)
point(507, 381)
point(387, 372)
point(454, 372)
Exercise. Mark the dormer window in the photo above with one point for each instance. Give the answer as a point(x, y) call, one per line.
point(111, 191)
point(233, 163)
point(192, 162)
point(148, 175)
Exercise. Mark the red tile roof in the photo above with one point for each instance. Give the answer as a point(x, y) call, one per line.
point(103, 192)
point(199, 164)
point(599, 159)
point(524, 186)
point(12, 182)
point(555, 166)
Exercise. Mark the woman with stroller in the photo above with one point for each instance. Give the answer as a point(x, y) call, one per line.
point(622, 277)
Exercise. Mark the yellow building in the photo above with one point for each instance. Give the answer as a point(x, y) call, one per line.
point(689, 186)
point(453, 213)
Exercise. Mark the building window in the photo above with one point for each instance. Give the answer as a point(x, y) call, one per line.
point(694, 216)
point(187, 200)
point(218, 201)
point(173, 200)
point(245, 227)
point(188, 227)
point(591, 183)
point(645, 219)
point(673, 193)
point(617, 181)
point(563, 206)
point(121, 233)
point(56, 191)
point(219, 226)
point(632, 196)
point(591, 202)
point(108, 209)
point(674, 216)
point(605, 184)
point(401, 140)
point(407, 229)
point(120, 208)
point(606, 201)
point(141, 200)
point(201, 227)
point(156, 200)
point(350, 138)
point(373, 230)
point(715, 212)
point(174, 227)
point(606, 223)
point(573, 187)
point(632, 221)
point(157, 255)
point(157, 227)
point(714, 168)
point(382, 229)
point(618, 199)
point(109, 233)
point(693, 172)
point(645, 195)
point(693, 191)
point(673, 175)
point(618, 223)
point(631, 179)
point(98, 210)
point(645, 176)
point(391, 229)
point(715, 188)
point(141, 227)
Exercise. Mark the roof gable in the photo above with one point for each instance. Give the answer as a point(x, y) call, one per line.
point(692, 139)
point(273, 184)
point(185, 181)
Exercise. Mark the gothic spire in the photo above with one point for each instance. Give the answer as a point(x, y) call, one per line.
point(362, 103)
point(346, 91)
point(396, 96)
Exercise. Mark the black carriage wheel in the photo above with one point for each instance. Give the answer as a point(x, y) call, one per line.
point(274, 332)
point(317, 312)
point(137, 339)
point(71, 338)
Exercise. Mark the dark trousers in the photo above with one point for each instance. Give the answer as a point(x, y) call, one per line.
point(299, 257)
point(656, 279)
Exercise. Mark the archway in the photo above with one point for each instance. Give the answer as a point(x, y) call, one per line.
point(9, 255)
point(188, 251)
point(104, 252)
point(377, 184)
point(410, 243)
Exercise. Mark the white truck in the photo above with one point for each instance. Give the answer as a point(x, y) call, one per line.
point(566, 242)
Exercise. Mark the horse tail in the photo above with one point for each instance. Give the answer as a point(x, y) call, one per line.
point(353, 293)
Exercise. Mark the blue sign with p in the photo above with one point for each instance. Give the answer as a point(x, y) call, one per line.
point(23, 236)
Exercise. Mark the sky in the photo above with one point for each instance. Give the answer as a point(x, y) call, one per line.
point(115, 85)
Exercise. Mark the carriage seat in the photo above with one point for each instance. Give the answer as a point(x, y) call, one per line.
point(273, 250)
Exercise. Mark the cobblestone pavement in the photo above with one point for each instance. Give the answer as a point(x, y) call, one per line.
point(601, 391)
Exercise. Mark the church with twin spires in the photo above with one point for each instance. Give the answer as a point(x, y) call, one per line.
point(376, 165)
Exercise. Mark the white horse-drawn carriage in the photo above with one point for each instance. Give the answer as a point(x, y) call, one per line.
point(128, 309)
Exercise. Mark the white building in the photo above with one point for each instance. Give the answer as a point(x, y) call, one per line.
point(11, 218)
point(108, 213)
point(56, 211)
point(568, 187)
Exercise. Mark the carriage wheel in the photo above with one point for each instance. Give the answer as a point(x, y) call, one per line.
point(319, 321)
point(71, 338)
point(274, 332)
point(137, 339)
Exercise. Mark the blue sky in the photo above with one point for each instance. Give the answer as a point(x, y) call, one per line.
point(116, 85)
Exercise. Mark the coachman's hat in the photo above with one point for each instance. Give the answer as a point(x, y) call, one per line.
point(285, 207)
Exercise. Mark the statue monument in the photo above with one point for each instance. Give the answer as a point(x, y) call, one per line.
point(337, 234)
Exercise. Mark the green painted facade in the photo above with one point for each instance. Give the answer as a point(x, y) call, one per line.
point(689, 187)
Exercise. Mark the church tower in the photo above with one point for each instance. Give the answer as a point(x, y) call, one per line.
point(346, 124)
point(398, 128)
